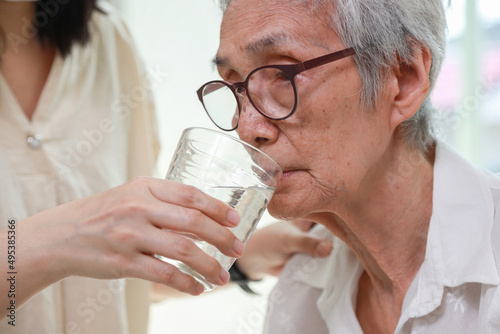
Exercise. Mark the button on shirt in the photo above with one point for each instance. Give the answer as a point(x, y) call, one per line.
point(34, 142)
point(92, 129)
point(456, 289)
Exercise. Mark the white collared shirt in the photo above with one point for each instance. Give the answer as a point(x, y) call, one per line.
point(456, 289)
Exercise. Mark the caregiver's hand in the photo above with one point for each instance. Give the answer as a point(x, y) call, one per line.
point(114, 234)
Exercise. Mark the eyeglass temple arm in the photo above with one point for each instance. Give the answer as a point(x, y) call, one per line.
point(328, 58)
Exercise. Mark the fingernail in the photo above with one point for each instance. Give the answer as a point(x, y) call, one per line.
point(224, 276)
point(238, 247)
point(323, 249)
point(199, 289)
point(233, 217)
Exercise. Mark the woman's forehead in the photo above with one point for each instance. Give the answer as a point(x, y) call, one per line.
point(271, 26)
point(254, 18)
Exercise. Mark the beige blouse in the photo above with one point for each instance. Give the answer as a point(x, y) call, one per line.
point(93, 129)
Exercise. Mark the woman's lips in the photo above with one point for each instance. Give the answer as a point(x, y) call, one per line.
point(289, 173)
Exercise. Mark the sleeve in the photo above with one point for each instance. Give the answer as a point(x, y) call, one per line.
point(136, 87)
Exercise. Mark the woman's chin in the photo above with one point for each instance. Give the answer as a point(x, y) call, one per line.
point(284, 208)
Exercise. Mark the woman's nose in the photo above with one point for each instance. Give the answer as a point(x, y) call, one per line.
point(254, 128)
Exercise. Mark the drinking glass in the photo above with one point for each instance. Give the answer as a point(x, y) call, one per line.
point(230, 170)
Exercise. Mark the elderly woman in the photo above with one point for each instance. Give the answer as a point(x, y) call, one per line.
point(337, 92)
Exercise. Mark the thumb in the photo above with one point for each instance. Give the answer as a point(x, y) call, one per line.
point(323, 248)
point(312, 246)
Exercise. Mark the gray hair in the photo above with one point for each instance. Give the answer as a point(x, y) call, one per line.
point(379, 30)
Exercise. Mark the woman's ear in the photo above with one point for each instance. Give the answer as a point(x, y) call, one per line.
point(411, 83)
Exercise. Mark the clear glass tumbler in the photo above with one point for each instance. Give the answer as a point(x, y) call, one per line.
point(230, 170)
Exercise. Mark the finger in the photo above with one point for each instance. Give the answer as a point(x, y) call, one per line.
point(152, 269)
point(194, 222)
point(177, 247)
point(191, 197)
point(323, 249)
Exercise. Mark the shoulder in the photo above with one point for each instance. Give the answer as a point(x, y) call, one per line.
point(491, 184)
point(111, 50)
point(474, 189)
point(111, 36)
point(108, 20)
point(460, 174)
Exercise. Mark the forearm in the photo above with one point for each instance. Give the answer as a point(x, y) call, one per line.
point(114, 234)
point(27, 263)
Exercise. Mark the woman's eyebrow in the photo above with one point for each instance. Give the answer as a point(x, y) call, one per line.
point(270, 41)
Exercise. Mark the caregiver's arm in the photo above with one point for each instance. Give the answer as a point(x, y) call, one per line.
point(115, 234)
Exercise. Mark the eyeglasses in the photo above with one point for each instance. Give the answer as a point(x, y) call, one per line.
point(270, 89)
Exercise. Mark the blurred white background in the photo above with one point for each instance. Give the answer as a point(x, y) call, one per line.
point(181, 37)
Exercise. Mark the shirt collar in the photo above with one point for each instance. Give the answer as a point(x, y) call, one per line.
point(459, 246)
point(464, 212)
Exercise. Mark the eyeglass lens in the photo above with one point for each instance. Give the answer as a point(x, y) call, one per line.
point(220, 104)
point(269, 90)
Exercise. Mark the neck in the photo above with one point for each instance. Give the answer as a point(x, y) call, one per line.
point(25, 63)
point(386, 225)
point(16, 24)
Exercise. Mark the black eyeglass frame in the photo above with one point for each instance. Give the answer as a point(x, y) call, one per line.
point(290, 70)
